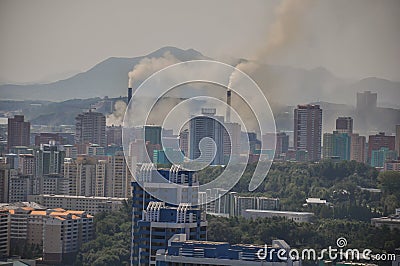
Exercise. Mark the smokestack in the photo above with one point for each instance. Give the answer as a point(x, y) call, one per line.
point(228, 102)
point(129, 94)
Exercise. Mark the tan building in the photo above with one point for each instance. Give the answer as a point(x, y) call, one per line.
point(393, 165)
point(92, 205)
point(64, 232)
point(357, 148)
point(118, 178)
point(60, 232)
point(105, 176)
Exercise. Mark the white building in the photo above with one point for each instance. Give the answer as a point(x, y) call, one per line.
point(90, 205)
point(300, 217)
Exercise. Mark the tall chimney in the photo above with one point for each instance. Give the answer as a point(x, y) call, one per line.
point(129, 94)
point(228, 102)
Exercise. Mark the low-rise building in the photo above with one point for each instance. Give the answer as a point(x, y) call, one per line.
point(391, 221)
point(91, 205)
point(188, 252)
point(60, 232)
point(300, 217)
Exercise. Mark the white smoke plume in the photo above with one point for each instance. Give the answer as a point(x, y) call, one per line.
point(283, 32)
point(148, 66)
point(117, 116)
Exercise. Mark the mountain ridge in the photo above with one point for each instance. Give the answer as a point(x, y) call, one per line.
point(283, 84)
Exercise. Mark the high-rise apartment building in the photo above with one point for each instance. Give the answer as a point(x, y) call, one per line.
point(232, 136)
point(357, 149)
point(207, 126)
point(308, 130)
point(397, 146)
point(153, 134)
point(153, 220)
point(60, 232)
point(45, 138)
point(366, 100)
point(118, 177)
point(4, 182)
point(27, 164)
point(91, 128)
point(114, 135)
point(48, 160)
point(337, 145)
point(106, 176)
point(344, 125)
point(379, 157)
point(184, 142)
point(378, 141)
point(4, 233)
point(18, 132)
point(160, 222)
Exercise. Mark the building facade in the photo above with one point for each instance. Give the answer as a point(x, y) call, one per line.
point(188, 252)
point(91, 128)
point(378, 141)
point(207, 126)
point(18, 132)
point(344, 125)
point(308, 130)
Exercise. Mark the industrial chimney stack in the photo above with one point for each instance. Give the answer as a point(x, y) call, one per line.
point(228, 102)
point(129, 94)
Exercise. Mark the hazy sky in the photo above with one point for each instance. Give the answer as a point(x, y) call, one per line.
point(48, 39)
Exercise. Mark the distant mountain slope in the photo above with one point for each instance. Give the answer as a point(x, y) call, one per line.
point(282, 84)
point(108, 78)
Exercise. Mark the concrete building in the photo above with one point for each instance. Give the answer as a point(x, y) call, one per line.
point(49, 160)
point(344, 125)
point(397, 146)
point(391, 221)
point(181, 251)
point(378, 141)
point(208, 125)
point(153, 221)
point(153, 134)
point(366, 100)
point(63, 234)
point(45, 138)
point(357, 148)
point(379, 157)
point(91, 205)
point(308, 130)
point(27, 164)
point(118, 178)
point(336, 145)
point(184, 142)
point(4, 233)
point(392, 165)
point(281, 141)
point(19, 187)
point(160, 223)
point(232, 136)
point(18, 132)
point(100, 176)
point(300, 217)
point(91, 128)
point(4, 182)
point(60, 232)
point(114, 135)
